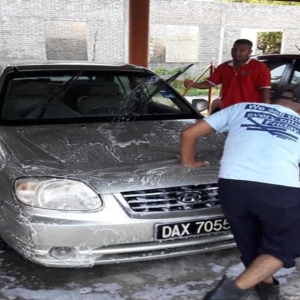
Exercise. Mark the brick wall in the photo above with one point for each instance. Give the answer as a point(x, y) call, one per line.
point(25, 31)
point(24, 27)
point(221, 23)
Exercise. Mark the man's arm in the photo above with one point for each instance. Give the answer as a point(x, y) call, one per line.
point(189, 137)
point(264, 82)
point(214, 79)
point(198, 85)
point(265, 95)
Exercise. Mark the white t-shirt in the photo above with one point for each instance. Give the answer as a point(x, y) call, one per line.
point(263, 144)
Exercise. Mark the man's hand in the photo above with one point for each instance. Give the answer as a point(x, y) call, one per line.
point(198, 85)
point(265, 96)
point(188, 83)
point(195, 164)
point(188, 143)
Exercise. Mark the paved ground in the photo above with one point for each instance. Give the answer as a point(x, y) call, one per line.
point(185, 278)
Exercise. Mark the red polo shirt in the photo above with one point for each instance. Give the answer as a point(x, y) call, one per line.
point(241, 84)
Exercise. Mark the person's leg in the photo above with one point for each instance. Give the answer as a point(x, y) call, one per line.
point(246, 230)
point(247, 233)
point(263, 267)
point(279, 211)
point(245, 226)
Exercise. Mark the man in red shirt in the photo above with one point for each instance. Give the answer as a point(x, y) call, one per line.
point(243, 79)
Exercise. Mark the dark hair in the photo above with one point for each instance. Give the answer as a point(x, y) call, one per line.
point(243, 42)
point(280, 96)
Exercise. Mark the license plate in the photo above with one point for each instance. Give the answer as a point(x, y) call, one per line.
point(192, 228)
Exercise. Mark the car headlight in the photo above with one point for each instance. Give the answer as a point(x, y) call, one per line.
point(60, 194)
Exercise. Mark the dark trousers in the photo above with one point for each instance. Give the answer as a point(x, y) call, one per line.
point(264, 219)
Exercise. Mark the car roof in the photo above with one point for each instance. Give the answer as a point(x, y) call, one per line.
point(279, 56)
point(47, 64)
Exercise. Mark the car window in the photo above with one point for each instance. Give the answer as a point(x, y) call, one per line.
point(295, 78)
point(277, 70)
point(68, 95)
point(165, 98)
point(123, 82)
point(162, 97)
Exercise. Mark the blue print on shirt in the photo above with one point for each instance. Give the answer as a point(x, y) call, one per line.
point(271, 120)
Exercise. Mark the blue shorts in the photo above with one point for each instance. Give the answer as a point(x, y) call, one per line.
point(264, 219)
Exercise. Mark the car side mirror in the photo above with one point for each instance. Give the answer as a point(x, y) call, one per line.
point(200, 104)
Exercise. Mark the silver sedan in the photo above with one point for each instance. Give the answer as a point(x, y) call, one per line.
point(90, 171)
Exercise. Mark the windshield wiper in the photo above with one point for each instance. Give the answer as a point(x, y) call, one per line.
point(58, 93)
point(168, 81)
point(141, 92)
point(173, 77)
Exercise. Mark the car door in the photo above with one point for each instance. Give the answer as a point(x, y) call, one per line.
point(281, 69)
point(294, 78)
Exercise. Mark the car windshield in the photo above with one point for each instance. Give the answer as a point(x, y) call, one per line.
point(64, 96)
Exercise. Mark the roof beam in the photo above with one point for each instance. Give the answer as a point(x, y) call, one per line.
point(139, 31)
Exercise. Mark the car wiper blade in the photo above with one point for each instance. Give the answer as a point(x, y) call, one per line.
point(58, 93)
point(169, 80)
point(141, 91)
point(173, 77)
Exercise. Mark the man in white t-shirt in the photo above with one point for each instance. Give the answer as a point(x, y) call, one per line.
point(258, 188)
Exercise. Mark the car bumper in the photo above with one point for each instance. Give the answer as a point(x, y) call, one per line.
point(104, 237)
point(135, 252)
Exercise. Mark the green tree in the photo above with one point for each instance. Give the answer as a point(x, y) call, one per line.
point(269, 42)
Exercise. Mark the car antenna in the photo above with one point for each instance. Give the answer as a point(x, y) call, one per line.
point(297, 48)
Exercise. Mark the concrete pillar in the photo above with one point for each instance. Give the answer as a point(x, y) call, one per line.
point(139, 32)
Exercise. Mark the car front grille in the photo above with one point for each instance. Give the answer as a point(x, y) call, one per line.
point(173, 199)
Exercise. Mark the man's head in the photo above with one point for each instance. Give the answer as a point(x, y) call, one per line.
point(241, 50)
point(289, 98)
